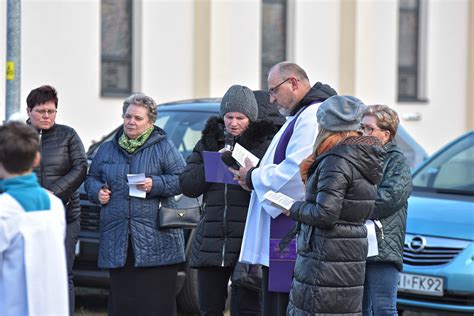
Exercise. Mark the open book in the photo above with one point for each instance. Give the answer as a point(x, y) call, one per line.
point(240, 153)
point(279, 200)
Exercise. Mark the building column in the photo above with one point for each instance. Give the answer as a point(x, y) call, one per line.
point(347, 49)
point(202, 18)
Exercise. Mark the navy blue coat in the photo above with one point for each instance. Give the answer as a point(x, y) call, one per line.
point(124, 215)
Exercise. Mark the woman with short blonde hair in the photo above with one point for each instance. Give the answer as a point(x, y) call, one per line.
point(390, 213)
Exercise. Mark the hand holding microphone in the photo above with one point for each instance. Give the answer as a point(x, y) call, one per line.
point(229, 160)
point(239, 173)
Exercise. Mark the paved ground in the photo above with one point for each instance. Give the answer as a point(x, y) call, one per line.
point(93, 302)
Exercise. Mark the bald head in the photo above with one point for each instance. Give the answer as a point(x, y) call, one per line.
point(288, 83)
point(287, 69)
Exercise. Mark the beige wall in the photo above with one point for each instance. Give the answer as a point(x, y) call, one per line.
point(217, 42)
point(376, 51)
point(202, 48)
point(60, 46)
point(167, 49)
point(347, 51)
point(234, 45)
point(443, 115)
point(313, 33)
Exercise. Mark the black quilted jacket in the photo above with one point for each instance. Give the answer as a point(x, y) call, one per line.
point(391, 206)
point(219, 233)
point(63, 166)
point(332, 245)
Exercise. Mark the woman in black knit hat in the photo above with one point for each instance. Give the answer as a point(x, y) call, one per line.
point(216, 246)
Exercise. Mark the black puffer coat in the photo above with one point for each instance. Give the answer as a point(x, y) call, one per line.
point(391, 206)
point(219, 233)
point(332, 242)
point(63, 166)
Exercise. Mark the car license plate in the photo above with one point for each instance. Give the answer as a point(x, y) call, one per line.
point(423, 284)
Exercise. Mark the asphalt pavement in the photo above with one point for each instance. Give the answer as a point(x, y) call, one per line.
point(93, 302)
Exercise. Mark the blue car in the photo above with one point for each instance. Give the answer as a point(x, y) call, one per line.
point(438, 270)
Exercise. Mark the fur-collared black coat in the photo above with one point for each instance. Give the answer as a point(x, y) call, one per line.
point(219, 233)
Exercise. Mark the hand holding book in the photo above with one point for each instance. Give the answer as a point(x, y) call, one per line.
point(280, 200)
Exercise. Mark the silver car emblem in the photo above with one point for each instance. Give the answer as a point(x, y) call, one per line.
point(417, 244)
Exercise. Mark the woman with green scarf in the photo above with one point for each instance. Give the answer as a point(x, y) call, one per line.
point(142, 259)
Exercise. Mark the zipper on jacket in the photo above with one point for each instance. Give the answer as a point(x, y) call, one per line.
point(129, 237)
point(41, 160)
point(224, 224)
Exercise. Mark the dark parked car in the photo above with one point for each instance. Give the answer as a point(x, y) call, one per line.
point(438, 269)
point(183, 121)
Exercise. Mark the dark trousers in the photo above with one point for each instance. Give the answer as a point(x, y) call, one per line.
point(274, 303)
point(213, 282)
point(142, 291)
point(72, 234)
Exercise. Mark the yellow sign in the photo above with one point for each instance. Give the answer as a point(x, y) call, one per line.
point(10, 70)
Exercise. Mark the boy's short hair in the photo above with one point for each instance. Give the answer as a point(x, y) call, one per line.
point(20, 142)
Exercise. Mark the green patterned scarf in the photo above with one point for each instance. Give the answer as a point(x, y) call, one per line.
point(131, 145)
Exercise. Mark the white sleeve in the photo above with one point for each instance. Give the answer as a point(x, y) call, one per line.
point(58, 208)
point(3, 236)
point(285, 177)
point(9, 228)
point(10, 217)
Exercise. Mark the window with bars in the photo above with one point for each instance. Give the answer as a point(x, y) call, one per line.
point(273, 36)
point(116, 47)
point(411, 51)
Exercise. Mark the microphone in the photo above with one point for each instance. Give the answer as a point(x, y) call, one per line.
point(229, 160)
point(228, 140)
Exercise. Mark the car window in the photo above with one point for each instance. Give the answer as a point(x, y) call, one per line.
point(414, 153)
point(450, 171)
point(183, 127)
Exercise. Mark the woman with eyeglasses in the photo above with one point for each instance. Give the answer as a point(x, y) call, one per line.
point(389, 215)
point(63, 165)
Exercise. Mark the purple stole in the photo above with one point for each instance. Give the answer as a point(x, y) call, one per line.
point(282, 263)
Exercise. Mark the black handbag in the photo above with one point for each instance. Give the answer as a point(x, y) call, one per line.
point(248, 276)
point(183, 213)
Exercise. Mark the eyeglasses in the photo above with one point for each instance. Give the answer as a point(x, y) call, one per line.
point(369, 129)
point(44, 112)
point(273, 91)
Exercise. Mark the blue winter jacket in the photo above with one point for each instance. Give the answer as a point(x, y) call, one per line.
point(124, 215)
